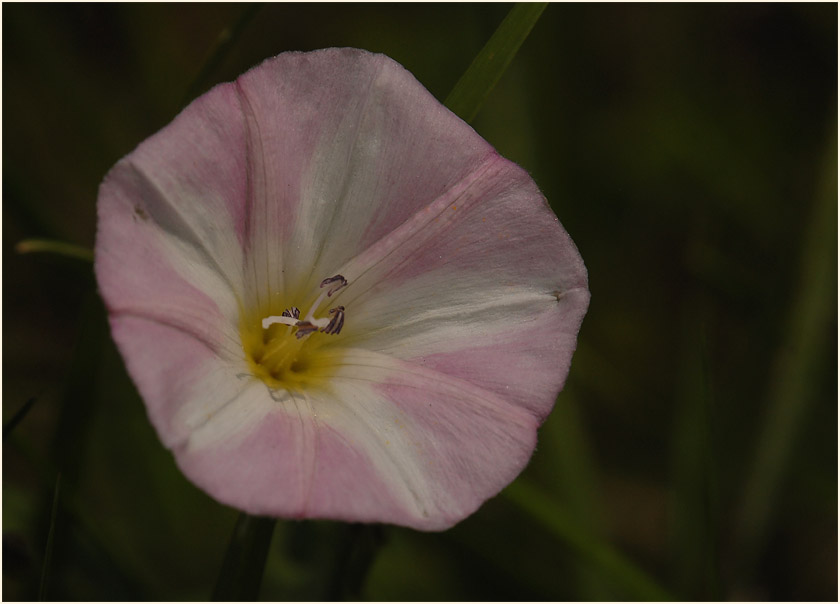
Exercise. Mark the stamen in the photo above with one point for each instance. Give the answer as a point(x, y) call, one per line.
point(309, 324)
point(285, 363)
point(294, 311)
point(304, 329)
point(337, 321)
point(336, 284)
point(341, 282)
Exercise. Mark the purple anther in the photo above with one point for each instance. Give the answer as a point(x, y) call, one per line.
point(293, 312)
point(337, 321)
point(304, 328)
point(339, 283)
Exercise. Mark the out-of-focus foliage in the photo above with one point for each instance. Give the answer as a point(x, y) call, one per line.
point(690, 150)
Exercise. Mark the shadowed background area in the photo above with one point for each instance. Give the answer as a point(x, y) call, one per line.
point(691, 153)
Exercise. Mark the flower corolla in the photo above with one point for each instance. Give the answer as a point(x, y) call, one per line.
point(335, 298)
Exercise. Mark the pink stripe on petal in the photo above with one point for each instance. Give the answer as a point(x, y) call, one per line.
point(137, 268)
point(394, 254)
point(198, 164)
point(507, 230)
point(455, 319)
point(258, 470)
point(527, 365)
point(440, 444)
point(347, 486)
point(469, 446)
point(290, 465)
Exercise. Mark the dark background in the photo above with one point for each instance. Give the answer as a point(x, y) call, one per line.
point(691, 152)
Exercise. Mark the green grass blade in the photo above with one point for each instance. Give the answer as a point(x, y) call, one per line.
point(601, 555)
point(18, 417)
point(80, 399)
point(807, 337)
point(47, 246)
point(84, 526)
point(45, 567)
point(572, 472)
point(361, 544)
point(488, 66)
point(695, 547)
point(242, 570)
point(221, 47)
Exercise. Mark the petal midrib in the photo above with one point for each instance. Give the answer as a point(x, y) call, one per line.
point(165, 317)
point(362, 263)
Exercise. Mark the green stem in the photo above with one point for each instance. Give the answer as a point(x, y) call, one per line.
point(807, 337)
point(47, 246)
point(224, 42)
point(488, 66)
point(361, 544)
point(695, 530)
point(18, 417)
point(45, 568)
point(242, 570)
point(77, 516)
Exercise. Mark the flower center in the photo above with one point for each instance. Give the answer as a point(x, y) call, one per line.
point(285, 350)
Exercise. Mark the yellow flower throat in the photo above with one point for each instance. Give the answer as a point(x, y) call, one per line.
point(288, 352)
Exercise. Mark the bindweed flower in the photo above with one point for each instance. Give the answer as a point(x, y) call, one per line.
point(335, 298)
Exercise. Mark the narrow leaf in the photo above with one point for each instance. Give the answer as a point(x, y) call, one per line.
point(356, 555)
point(17, 417)
point(46, 246)
point(611, 563)
point(80, 399)
point(488, 66)
point(695, 548)
point(45, 568)
point(807, 337)
point(565, 443)
point(242, 570)
point(84, 525)
point(217, 53)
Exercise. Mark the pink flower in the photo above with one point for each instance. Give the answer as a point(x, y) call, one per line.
point(336, 299)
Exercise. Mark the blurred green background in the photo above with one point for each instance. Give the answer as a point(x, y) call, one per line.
point(691, 152)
